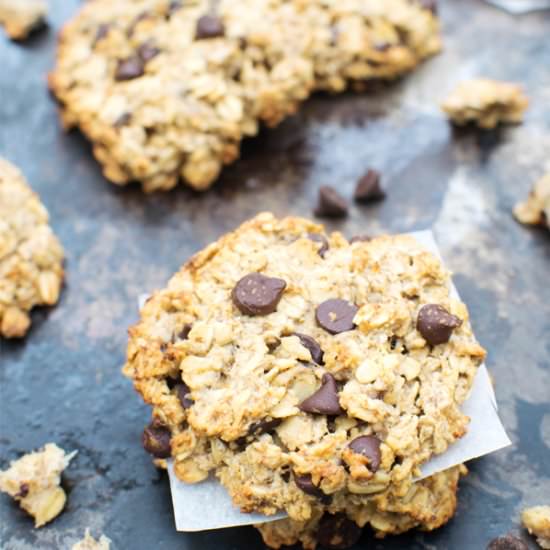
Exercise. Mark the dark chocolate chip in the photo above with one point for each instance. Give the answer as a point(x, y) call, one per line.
point(129, 68)
point(368, 188)
point(324, 400)
point(507, 542)
point(122, 120)
point(23, 491)
point(436, 324)
point(331, 204)
point(174, 6)
point(273, 344)
point(263, 427)
point(360, 239)
point(313, 347)
point(256, 294)
point(369, 446)
point(147, 51)
point(209, 26)
point(305, 484)
point(102, 32)
point(318, 238)
point(429, 5)
point(183, 391)
point(156, 440)
point(336, 315)
point(183, 334)
point(337, 532)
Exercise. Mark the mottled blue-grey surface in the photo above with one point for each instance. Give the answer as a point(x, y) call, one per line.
point(63, 382)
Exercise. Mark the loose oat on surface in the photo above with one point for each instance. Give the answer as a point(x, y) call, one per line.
point(20, 17)
point(536, 209)
point(486, 103)
point(33, 481)
point(89, 543)
point(321, 393)
point(537, 521)
point(167, 90)
point(31, 258)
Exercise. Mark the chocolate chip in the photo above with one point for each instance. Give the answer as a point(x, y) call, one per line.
point(132, 27)
point(209, 26)
point(23, 491)
point(147, 51)
point(368, 188)
point(313, 347)
point(324, 400)
point(129, 68)
point(337, 532)
point(183, 334)
point(331, 204)
point(182, 391)
point(156, 440)
point(256, 294)
point(272, 344)
point(122, 120)
point(263, 427)
point(369, 446)
point(360, 239)
point(318, 238)
point(174, 7)
point(507, 542)
point(336, 315)
point(102, 32)
point(305, 484)
point(436, 324)
point(429, 5)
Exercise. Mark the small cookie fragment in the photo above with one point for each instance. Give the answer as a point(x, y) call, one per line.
point(537, 521)
point(21, 17)
point(486, 103)
point(31, 258)
point(536, 209)
point(34, 481)
point(507, 542)
point(89, 543)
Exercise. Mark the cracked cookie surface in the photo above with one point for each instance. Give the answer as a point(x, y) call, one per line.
point(324, 391)
point(167, 90)
point(486, 103)
point(31, 257)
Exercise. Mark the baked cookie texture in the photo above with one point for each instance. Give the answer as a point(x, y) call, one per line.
point(31, 257)
point(168, 89)
point(89, 543)
point(535, 209)
point(486, 103)
point(537, 521)
point(34, 482)
point(310, 374)
point(21, 17)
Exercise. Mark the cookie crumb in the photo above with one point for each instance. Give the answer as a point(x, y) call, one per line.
point(536, 209)
point(89, 543)
point(21, 17)
point(537, 521)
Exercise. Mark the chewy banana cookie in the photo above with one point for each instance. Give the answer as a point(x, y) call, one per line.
point(31, 258)
point(310, 373)
point(168, 89)
point(486, 103)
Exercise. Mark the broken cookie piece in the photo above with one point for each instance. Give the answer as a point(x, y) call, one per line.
point(89, 543)
point(536, 209)
point(537, 521)
point(486, 103)
point(21, 17)
point(34, 482)
point(31, 257)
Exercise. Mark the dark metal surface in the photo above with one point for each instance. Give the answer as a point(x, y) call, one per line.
point(63, 382)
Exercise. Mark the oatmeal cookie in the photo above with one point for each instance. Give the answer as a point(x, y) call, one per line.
point(168, 89)
point(89, 543)
point(537, 521)
point(486, 103)
point(536, 209)
point(304, 370)
point(31, 258)
point(21, 17)
point(34, 481)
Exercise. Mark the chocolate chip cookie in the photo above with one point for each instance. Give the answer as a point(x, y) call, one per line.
point(166, 90)
point(31, 258)
point(308, 382)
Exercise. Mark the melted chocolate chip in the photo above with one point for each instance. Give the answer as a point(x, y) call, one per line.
point(305, 484)
point(183, 391)
point(436, 324)
point(331, 204)
point(209, 26)
point(256, 294)
point(336, 315)
point(507, 542)
point(324, 400)
point(130, 68)
point(147, 51)
point(183, 334)
point(368, 188)
point(360, 239)
point(337, 532)
point(23, 490)
point(318, 238)
point(369, 446)
point(313, 347)
point(156, 441)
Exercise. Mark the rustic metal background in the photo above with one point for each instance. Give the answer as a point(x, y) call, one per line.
point(63, 382)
